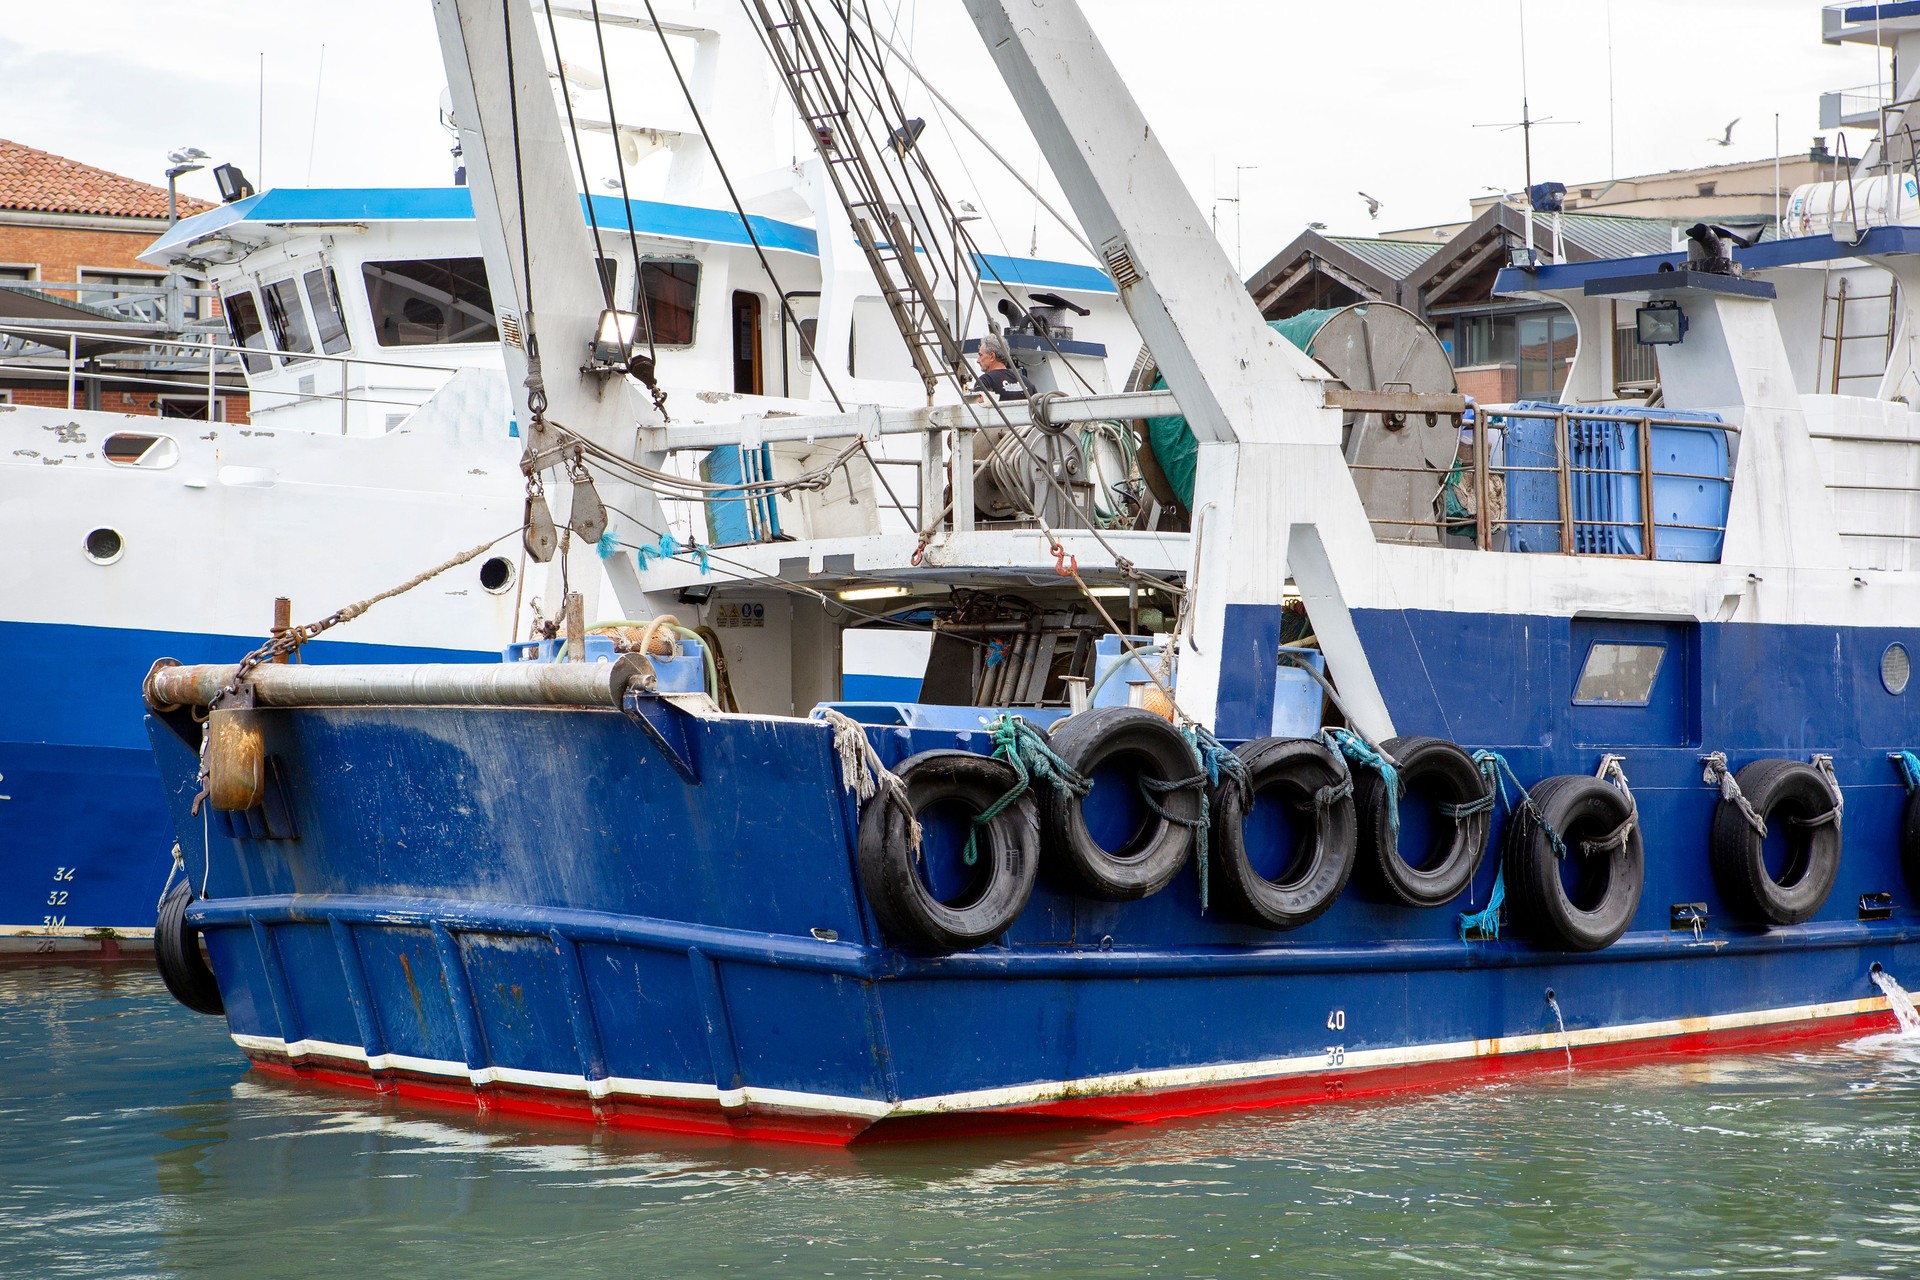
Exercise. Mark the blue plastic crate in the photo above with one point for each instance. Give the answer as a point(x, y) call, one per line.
point(1603, 454)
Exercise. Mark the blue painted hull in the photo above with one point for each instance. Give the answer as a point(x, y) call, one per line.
point(84, 824)
point(547, 914)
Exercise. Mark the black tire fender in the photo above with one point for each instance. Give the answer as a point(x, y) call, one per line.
point(1311, 780)
point(176, 952)
point(1910, 842)
point(1780, 791)
point(1151, 750)
point(1008, 843)
point(1442, 773)
point(1599, 827)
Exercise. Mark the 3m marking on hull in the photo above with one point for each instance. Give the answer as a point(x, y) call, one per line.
point(1132, 1098)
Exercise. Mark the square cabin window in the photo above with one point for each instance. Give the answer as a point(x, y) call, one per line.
point(284, 316)
point(323, 299)
point(672, 292)
point(429, 302)
point(1619, 675)
point(249, 334)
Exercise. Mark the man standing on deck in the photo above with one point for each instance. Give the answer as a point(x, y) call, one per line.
point(998, 376)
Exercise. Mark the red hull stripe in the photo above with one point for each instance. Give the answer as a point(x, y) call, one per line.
point(761, 1122)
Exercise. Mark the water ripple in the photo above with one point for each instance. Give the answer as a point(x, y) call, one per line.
point(136, 1146)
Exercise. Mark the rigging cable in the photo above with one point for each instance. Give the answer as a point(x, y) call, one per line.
point(573, 130)
point(859, 77)
point(645, 306)
point(786, 307)
point(535, 383)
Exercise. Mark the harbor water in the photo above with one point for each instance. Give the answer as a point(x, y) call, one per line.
point(134, 1143)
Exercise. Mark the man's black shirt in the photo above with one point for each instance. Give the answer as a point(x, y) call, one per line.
point(1002, 384)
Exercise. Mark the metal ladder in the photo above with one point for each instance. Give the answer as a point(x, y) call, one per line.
point(891, 243)
point(1834, 336)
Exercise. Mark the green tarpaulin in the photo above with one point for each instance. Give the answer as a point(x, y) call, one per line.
point(1173, 444)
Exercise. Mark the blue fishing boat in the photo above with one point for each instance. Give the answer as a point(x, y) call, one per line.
point(381, 437)
point(1418, 741)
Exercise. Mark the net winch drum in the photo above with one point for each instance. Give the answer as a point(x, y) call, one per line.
point(1402, 459)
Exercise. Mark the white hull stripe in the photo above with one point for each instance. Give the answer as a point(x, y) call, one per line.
point(90, 933)
point(1053, 1090)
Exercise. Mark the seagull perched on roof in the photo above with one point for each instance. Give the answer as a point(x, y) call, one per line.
point(1373, 206)
point(1726, 139)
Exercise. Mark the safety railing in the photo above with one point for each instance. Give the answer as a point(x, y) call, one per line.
point(1585, 480)
point(192, 368)
point(962, 460)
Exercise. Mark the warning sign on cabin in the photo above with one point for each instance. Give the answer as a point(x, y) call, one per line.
point(741, 615)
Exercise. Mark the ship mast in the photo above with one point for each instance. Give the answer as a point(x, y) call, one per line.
point(546, 293)
point(1272, 497)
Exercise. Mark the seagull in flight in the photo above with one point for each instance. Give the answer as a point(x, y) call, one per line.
point(1373, 205)
point(1726, 139)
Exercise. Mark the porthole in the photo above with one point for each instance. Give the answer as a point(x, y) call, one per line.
point(496, 574)
point(1896, 668)
point(104, 546)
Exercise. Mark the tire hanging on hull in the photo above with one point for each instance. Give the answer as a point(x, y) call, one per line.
point(1314, 787)
point(1154, 757)
point(1443, 774)
point(176, 952)
point(1808, 804)
point(1006, 847)
point(1583, 823)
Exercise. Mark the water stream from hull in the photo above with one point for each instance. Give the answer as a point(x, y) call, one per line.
point(1565, 1044)
point(1899, 1001)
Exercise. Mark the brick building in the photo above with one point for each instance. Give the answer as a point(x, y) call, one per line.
point(70, 239)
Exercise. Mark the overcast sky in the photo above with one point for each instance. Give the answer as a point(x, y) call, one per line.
point(1324, 100)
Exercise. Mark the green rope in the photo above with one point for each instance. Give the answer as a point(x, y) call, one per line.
point(1358, 750)
point(1026, 749)
point(1494, 768)
point(1214, 759)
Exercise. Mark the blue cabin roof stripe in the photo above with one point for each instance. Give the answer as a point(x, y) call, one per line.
point(1034, 273)
point(1768, 253)
point(455, 204)
point(650, 218)
point(1899, 9)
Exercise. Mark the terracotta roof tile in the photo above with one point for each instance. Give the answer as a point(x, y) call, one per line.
point(41, 182)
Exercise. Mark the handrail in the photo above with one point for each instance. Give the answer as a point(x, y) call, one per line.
point(1498, 417)
point(212, 351)
point(292, 357)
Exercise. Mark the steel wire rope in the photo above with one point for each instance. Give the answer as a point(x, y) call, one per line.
point(1065, 223)
point(962, 237)
point(847, 108)
point(644, 305)
point(535, 382)
point(954, 374)
point(580, 160)
point(786, 307)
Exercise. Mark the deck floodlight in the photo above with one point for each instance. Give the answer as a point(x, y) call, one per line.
point(233, 183)
point(1525, 257)
point(615, 338)
point(1659, 324)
